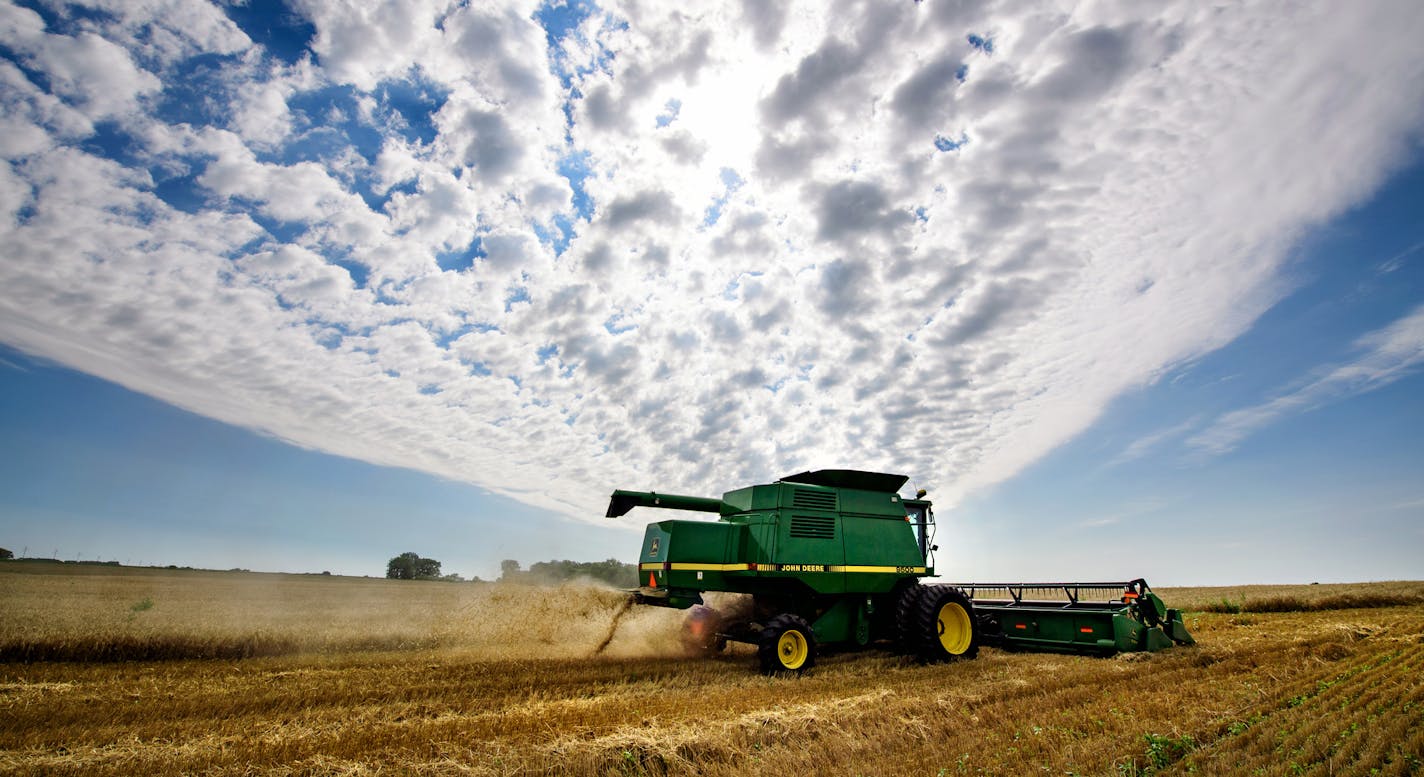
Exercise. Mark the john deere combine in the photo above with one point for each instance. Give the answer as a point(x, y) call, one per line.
point(834, 558)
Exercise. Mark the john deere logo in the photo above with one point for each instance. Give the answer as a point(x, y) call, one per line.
point(653, 549)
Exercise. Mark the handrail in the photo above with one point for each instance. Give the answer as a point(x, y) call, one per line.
point(1072, 591)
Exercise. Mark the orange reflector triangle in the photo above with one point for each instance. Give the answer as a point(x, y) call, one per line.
point(652, 581)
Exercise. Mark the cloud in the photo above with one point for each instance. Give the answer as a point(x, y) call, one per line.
point(849, 208)
point(493, 151)
point(347, 34)
point(1095, 60)
point(797, 94)
point(96, 75)
point(1144, 445)
point(925, 97)
point(452, 239)
point(1385, 356)
point(1400, 259)
point(766, 20)
point(655, 206)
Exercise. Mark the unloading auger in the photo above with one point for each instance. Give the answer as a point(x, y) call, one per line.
point(835, 558)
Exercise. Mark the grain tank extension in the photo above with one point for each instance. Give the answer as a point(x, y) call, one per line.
point(833, 558)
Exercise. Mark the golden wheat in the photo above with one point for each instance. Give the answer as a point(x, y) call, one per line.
point(499, 680)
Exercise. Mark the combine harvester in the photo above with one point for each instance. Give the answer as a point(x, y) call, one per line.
point(834, 558)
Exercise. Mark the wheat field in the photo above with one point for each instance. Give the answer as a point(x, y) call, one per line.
point(138, 671)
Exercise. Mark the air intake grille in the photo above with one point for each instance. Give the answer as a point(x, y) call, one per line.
point(813, 500)
point(813, 527)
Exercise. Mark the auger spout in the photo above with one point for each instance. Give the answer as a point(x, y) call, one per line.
point(623, 501)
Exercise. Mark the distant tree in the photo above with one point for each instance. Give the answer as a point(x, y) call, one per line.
point(508, 570)
point(402, 567)
point(6, 553)
point(410, 566)
point(427, 568)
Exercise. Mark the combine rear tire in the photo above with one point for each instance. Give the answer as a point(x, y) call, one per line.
point(945, 625)
point(787, 644)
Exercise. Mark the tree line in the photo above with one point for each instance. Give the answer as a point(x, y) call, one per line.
point(413, 566)
point(612, 571)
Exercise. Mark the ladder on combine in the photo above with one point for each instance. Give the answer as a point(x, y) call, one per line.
point(1097, 618)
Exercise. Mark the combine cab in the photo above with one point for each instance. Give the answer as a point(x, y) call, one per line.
point(834, 558)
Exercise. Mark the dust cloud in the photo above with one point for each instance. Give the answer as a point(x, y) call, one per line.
point(581, 619)
point(573, 620)
point(142, 614)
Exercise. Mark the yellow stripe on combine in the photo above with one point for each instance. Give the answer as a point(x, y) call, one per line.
point(685, 567)
point(681, 567)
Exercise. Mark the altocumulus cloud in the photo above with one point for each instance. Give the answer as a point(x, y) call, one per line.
point(554, 249)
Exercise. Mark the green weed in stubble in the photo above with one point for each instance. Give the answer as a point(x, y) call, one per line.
point(1162, 752)
point(143, 605)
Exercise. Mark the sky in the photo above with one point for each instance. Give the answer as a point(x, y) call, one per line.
point(1131, 289)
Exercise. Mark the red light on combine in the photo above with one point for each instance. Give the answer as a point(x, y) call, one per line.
point(1020, 626)
point(1086, 629)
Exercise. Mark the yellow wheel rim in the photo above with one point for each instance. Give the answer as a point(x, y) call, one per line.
point(791, 649)
point(955, 631)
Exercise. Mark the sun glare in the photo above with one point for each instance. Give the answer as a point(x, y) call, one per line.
point(721, 111)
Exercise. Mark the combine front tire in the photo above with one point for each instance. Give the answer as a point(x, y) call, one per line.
point(787, 644)
point(945, 625)
point(905, 632)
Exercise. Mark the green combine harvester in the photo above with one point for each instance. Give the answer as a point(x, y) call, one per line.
point(833, 558)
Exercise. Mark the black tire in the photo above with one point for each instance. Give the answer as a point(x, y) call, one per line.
point(787, 644)
point(945, 626)
point(905, 632)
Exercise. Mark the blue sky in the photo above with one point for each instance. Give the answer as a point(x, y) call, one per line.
point(93, 471)
point(1331, 493)
point(1132, 291)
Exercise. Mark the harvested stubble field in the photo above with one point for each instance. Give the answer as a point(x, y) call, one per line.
point(357, 676)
